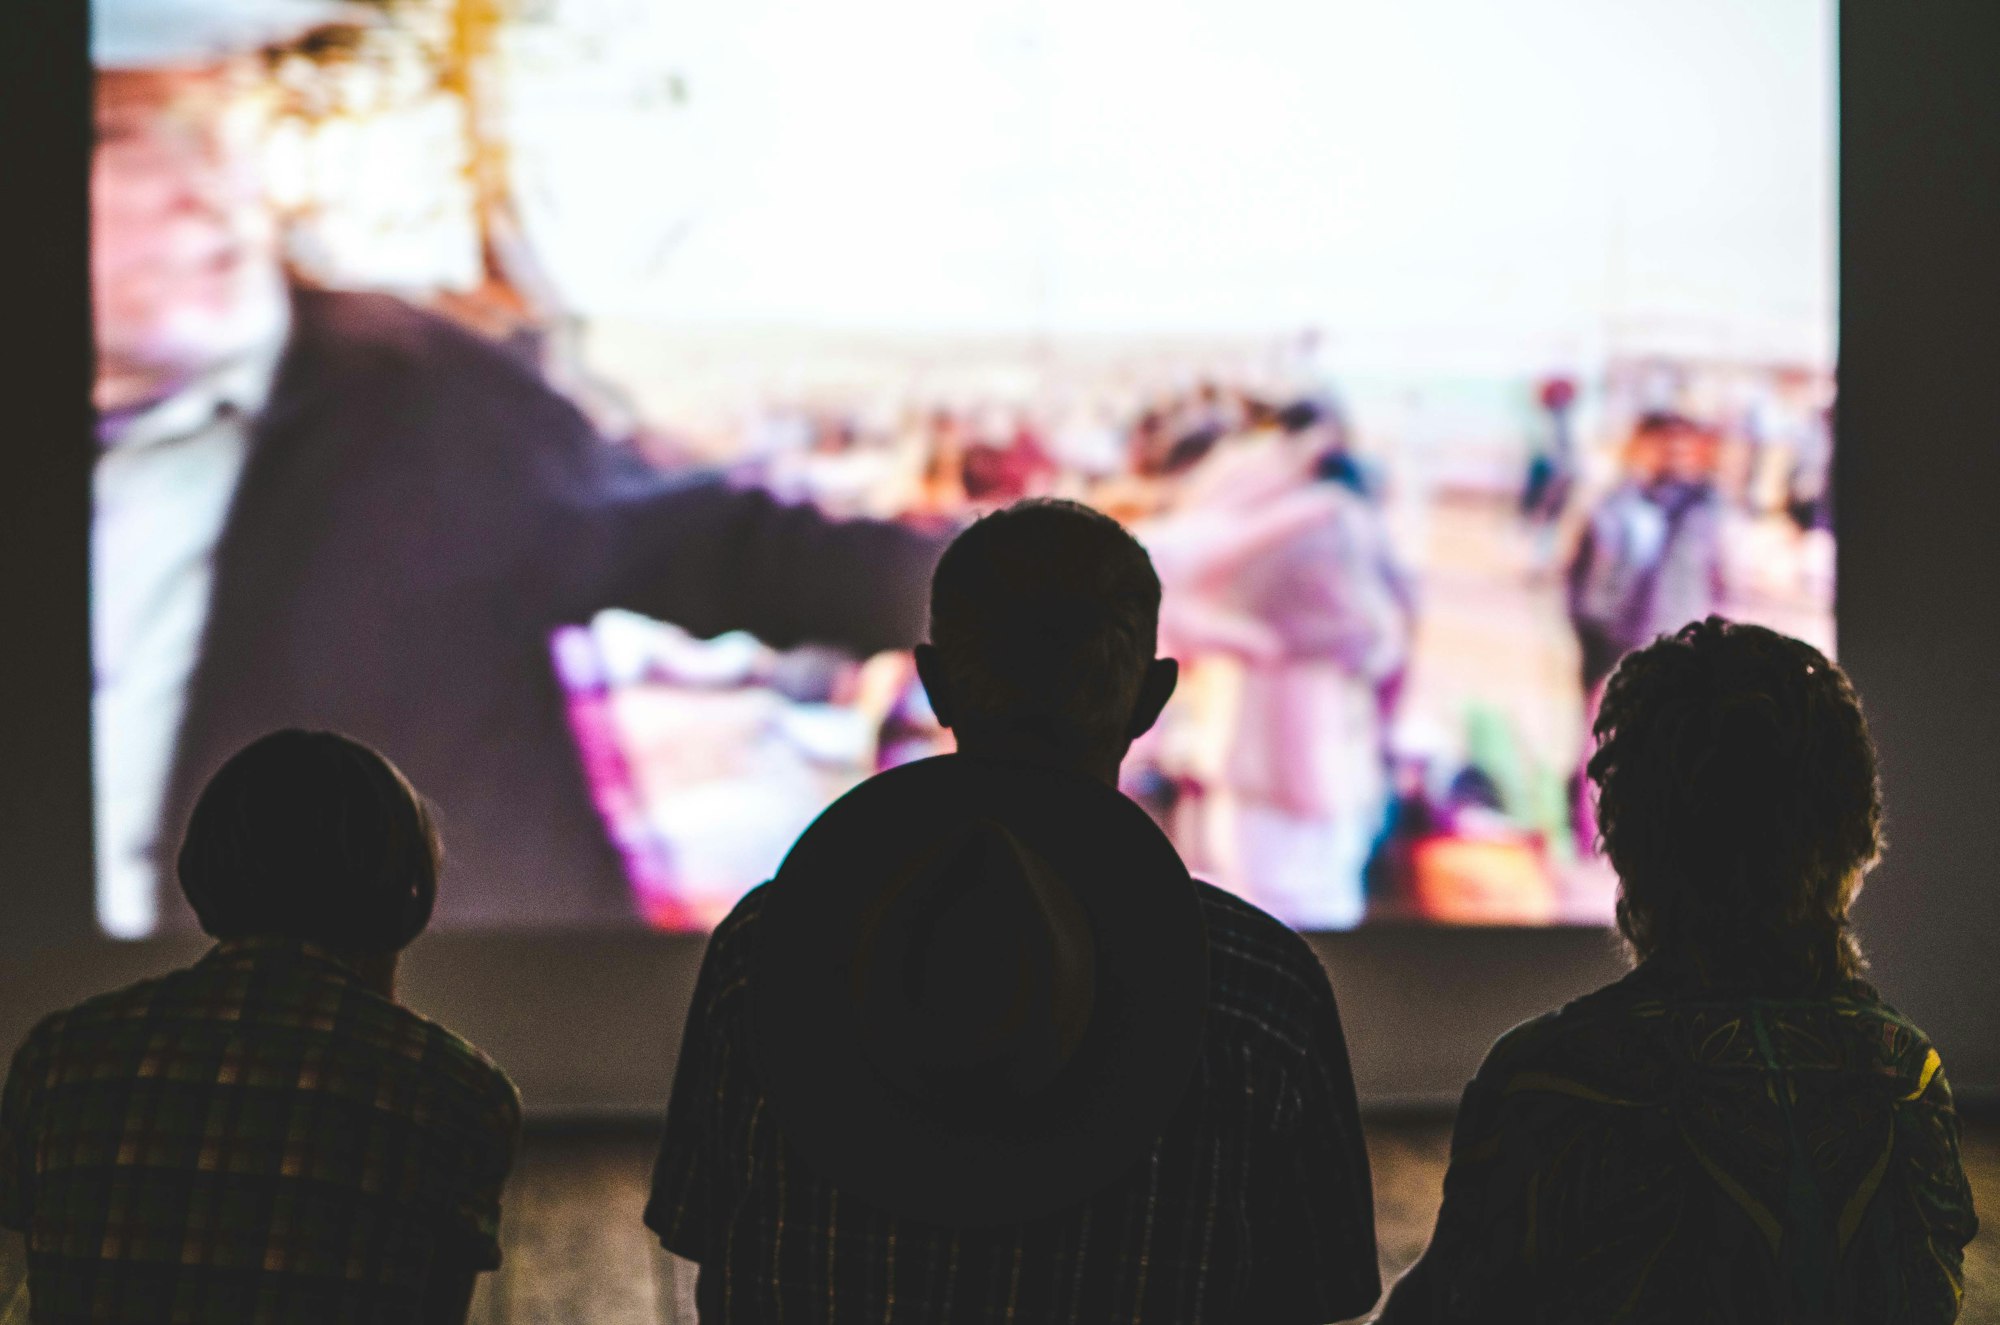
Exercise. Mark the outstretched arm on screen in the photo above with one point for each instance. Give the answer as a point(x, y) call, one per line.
point(712, 556)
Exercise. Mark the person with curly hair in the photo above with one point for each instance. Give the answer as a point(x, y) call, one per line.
point(1740, 1129)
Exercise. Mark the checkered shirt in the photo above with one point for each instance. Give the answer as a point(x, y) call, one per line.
point(255, 1138)
point(1253, 1205)
point(1668, 1152)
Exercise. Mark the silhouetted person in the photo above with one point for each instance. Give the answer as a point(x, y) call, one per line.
point(267, 1135)
point(982, 1050)
point(1552, 460)
point(1741, 1129)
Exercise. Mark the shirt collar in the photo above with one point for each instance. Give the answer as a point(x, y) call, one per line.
point(238, 388)
point(260, 948)
point(1669, 976)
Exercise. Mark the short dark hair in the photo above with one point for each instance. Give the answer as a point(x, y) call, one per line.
point(1739, 801)
point(1301, 415)
point(1659, 422)
point(1045, 615)
point(313, 836)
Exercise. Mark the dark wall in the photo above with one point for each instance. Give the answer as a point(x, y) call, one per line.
point(589, 1023)
point(592, 1025)
point(45, 373)
point(1918, 482)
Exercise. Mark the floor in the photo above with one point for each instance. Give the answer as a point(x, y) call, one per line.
point(576, 1252)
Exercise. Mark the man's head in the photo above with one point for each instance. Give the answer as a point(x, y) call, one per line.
point(1668, 445)
point(311, 836)
point(1044, 621)
point(1738, 801)
point(185, 265)
point(185, 269)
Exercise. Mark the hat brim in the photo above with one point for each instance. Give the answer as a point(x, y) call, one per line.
point(129, 35)
point(1124, 1083)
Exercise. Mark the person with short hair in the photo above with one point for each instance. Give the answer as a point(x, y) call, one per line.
point(1741, 1129)
point(1306, 779)
point(982, 1050)
point(267, 1135)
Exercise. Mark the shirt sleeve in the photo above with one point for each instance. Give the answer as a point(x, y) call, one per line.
point(1924, 1230)
point(473, 1238)
point(1320, 1224)
point(683, 1204)
point(17, 1170)
point(1445, 1285)
point(711, 556)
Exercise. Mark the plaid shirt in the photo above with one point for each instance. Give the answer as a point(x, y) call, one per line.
point(1254, 1205)
point(1663, 1152)
point(254, 1138)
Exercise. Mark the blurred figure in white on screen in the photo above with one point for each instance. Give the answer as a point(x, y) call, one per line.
point(1319, 618)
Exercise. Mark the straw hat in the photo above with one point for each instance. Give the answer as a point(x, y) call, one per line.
point(978, 990)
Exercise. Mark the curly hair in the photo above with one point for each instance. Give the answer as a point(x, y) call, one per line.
point(1738, 800)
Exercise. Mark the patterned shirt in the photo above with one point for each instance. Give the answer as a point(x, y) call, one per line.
point(1663, 1152)
point(255, 1138)
point(1253, 1205)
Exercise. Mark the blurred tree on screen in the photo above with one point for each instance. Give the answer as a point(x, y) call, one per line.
point(393, 167)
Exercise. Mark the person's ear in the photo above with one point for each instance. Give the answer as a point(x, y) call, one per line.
point(1155, 689)
point(937, 686)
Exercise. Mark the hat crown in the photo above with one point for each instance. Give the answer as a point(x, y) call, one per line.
point(974, 974)
point(977, 989)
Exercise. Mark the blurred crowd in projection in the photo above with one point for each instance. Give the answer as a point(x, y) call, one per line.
point(1387, 680)
point(1396, 583)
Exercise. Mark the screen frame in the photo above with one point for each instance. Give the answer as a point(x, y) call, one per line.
point(588, 1023)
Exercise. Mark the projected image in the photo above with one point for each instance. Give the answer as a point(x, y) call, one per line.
point(571, 399)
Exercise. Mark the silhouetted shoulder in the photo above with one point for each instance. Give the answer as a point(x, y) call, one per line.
point(1614, 1029)
point(111, 1031)
point(466, 381)
point(57, 1038)
point(125, 1005)
point(737, 928)
point(1235, 920)
point(1631, 1040)
point(1907, 1063)
point(392, 328)
point(485, 1083)
point(1265, 982)
point(725, 968)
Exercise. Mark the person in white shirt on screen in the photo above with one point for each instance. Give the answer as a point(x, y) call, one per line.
point(1322, 620)
point(191, 316)
point(316, 508)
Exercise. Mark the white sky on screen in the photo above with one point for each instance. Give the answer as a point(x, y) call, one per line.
point(1523, 170)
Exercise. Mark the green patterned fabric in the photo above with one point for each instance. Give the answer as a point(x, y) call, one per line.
point(1661, 1151)
point(256, 1138)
